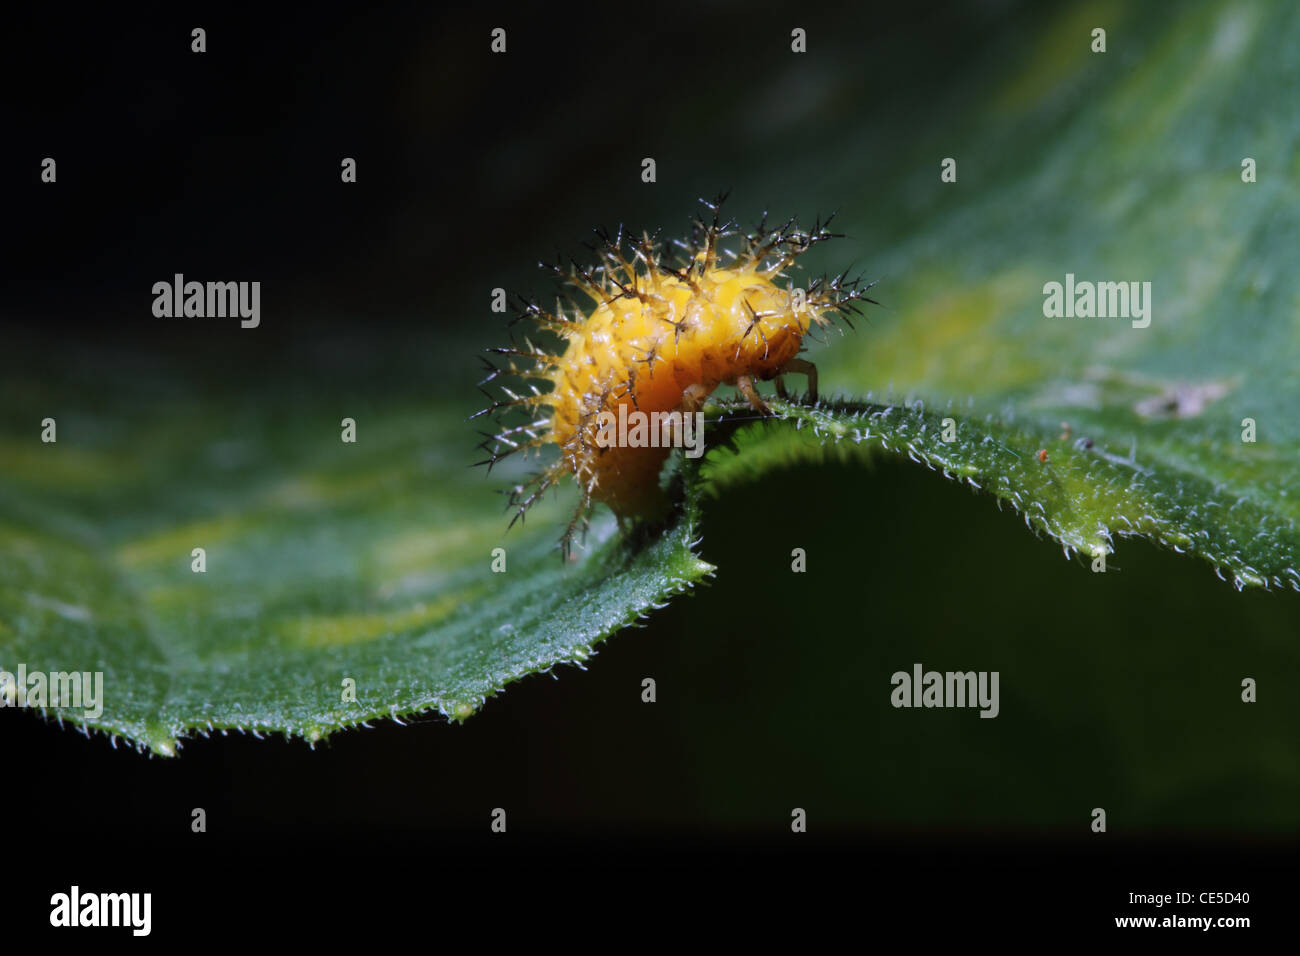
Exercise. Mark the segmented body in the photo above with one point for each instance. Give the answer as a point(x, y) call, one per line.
point(656, 337)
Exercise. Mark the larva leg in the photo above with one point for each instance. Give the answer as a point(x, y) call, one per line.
point(745, 383)
point(693, 397)
point(799, 367)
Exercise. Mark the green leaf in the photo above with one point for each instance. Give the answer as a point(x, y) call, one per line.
point(1082, 496)
point(324, 561)
point(1126, 166)
point(371, 561)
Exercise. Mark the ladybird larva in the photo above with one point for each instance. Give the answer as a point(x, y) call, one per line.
point(661, 334)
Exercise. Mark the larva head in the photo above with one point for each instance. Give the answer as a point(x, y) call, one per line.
point(657, 336)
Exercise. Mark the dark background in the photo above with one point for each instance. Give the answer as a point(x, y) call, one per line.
point(471, 167)
point(469, 163)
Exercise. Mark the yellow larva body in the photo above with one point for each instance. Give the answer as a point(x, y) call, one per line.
point(657, 339)
point(646, 354)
